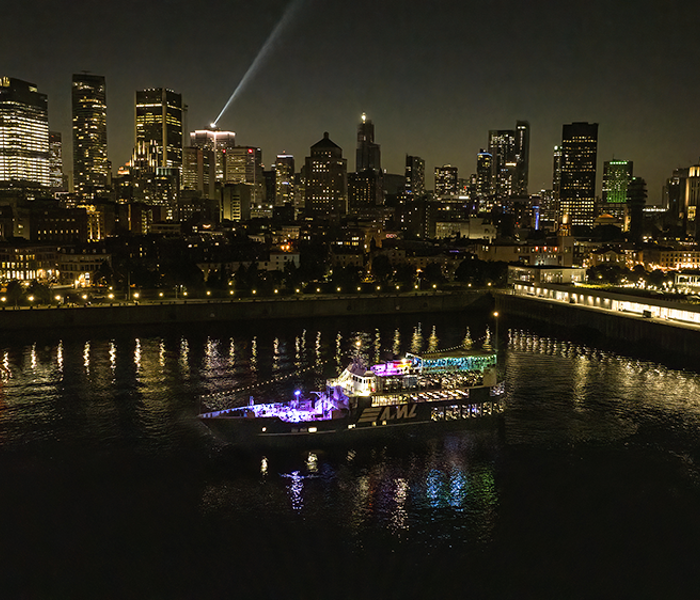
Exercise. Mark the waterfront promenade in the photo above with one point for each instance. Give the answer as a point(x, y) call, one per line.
point(171, 312)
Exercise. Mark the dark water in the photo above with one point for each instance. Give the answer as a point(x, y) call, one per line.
point(110, 488)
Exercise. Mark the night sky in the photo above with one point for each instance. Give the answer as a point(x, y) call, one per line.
point(434, 77)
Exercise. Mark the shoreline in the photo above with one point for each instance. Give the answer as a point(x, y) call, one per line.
point(183, 312)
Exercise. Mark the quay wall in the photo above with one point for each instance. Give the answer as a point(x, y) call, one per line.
point(203, 311)
point(625, 331)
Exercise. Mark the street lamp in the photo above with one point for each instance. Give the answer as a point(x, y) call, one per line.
point(495, 339)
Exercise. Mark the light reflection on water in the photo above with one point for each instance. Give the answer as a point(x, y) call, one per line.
point(70, 398)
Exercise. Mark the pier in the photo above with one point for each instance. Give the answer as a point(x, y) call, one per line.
point(650, 325)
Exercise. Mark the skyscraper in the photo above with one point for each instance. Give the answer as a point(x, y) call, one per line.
point(556, 172)
point(617, 175)
point(199, 170)
point(522, 157)
point(446, 181)
point(159, 122)
point(636, 200)
point(368, 155)
point(24, 133)
point(89, 106)
point(579, 152)
point(284, 179)
point(503, 165)
point(56, 161)
point(326, 171)
point(217, 141)
point(415, 176)
point(484, 175)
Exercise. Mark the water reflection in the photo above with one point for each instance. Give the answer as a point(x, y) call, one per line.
point(142, 393)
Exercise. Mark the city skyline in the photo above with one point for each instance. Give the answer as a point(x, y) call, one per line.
point(433, 82)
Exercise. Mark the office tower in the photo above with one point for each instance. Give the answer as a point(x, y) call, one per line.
point(368, 155)
point(284, 179)
point(617, 175)
point(503, 162)
point(674, 193)
point(326, 194)
point(556, 172)
point(199, 171)
point(415, 176)
point(446, 180)
point(365, 193)
point(579, 151)
point(217, 141)
point(636, 200)
point(24, 133)
point(159, 121)
point(484, 174)
point(89, 108)
point(57, 178)
point(691, 202)
point(243, 164)
point(522, 157)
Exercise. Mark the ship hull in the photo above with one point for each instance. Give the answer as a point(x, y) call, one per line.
point(395, 421)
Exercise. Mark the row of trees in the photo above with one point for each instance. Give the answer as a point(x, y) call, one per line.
point(616, 275)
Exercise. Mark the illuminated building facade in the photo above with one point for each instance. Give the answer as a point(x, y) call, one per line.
point(89, 107)
point(415, 176)
point(243, 164)
point(503, 161)
point(446, 181)
point(368, 155)
point(691, 202)
point(326, 193)
point(579, 153)
point(616, 177)
point(57, 177)
point(217, 141)
point(199, 170)
point(159, 122)
point(484, 176)
point(522, 157)
point(556, 171)
point(24, 133)
point(284, 179)
point(365, 192)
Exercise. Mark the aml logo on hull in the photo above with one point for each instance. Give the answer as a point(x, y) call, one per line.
point(387, 413)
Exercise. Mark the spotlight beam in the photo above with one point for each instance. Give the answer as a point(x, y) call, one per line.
point(288, 15)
